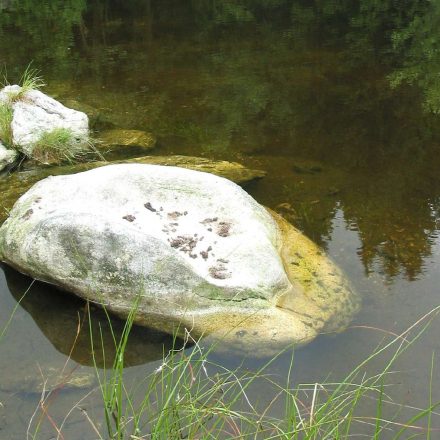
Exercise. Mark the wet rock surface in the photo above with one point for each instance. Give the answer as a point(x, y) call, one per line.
point(192, 247)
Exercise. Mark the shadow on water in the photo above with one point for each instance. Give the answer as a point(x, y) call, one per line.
point(59, 316)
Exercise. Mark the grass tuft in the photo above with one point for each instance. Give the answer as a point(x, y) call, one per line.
point(6, 114)
point(61, 145)
point(30, 80)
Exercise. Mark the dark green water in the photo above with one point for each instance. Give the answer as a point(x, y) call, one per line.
point(338, 101)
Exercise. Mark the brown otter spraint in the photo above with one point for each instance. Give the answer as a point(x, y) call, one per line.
point(223, 229)
point(174, 215)
point(27, 214)
point(184, 243)
point(207, 221)
point(204, 255)
point(130, 218)
point(149, 206)
point(219, 272)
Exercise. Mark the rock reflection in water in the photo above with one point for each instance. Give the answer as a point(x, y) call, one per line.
point(59, 315)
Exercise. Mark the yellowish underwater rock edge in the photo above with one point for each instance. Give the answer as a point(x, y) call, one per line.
point(321, 300)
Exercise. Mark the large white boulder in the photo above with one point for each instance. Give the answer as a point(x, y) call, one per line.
point(190, 248)
point(7, 157)
point(35, 113)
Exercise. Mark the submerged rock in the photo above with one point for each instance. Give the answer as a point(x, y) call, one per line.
point(37, 378)
point(36, 114)
point(98, 119)
point(7, 157)
point(17, 184)
point(127, 138)
point(234, 171)
point(188, 248)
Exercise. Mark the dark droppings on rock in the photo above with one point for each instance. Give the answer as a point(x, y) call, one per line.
point(204, 255)
point(222, 260)
point(150, 207)
point(207, 221)
point(27, 214)
point(184, 243)
point(223, 229)
point(174, 215)
point(177, 242)
point(219, 272)
point(130, 218)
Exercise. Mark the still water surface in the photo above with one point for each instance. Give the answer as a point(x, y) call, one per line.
point(338, 102)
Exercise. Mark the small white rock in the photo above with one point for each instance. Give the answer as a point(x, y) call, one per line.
point(36, 113)
point(6, 156)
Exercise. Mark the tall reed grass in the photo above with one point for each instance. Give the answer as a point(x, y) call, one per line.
point(190, 397)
